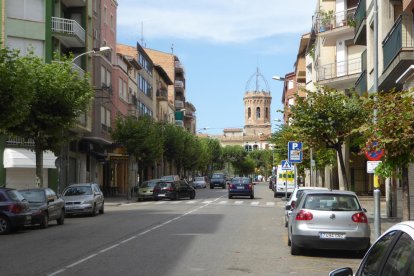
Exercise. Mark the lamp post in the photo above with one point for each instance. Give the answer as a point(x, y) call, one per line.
point(100, 50)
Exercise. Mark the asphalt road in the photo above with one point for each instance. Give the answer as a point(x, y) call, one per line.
point(210, 235)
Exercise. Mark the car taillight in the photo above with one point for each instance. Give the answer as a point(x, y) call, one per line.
point(16, 208)
point(304, 215)
point(232, 186)
point(171, 189)
point(359, 218)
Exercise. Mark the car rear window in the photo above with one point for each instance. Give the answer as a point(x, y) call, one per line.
point(326, 202)
point(78, 190)
point(238, 180)
point(164, 184)
point(199, 179)
point(34, 196)
point(15, 195)
point(148, 184)
point(218, 175)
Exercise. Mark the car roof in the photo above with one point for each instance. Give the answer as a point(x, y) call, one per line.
point(81, 184)
point(322, 191)
point(312, 188)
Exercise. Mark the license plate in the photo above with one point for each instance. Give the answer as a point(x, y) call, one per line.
point(161, 195)
point(332, 236)
point(28, 219)
point(240, 188)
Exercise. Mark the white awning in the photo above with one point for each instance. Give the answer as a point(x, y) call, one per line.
point(24, 158)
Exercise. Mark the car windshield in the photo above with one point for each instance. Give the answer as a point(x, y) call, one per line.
point(78, 190)
point(15, 195)
point(164, 184)
point(148, 184)
point(34, 196)
point(239, 180)
point(324, 202)
point(217, 175)
point(199, 179)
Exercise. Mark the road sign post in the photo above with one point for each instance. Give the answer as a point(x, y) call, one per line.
point(295, 156)
point(286, 165)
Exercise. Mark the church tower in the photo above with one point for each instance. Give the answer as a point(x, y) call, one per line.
point(257, 119)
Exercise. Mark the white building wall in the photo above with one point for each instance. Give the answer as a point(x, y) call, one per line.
point(23, 178)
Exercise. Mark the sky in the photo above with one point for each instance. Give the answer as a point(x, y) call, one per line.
point(221, 44)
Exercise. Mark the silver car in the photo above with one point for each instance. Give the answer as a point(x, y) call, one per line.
point(199, 182)
point(328, 220)
point(84, 198)
point(290, 204)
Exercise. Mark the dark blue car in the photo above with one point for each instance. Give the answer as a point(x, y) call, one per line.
point(241, 186)
point(14, 211)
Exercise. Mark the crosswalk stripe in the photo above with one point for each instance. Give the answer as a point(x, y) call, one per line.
point(255, 203)
point(238, 202)
point(207, 201)
point(175, 202)
point(191, 202)
point(160, 202)
point(223, 202)
point(270, 204)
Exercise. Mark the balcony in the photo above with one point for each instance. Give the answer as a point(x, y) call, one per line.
point(74, 3)
point(398, 52)
point(331, 25)
point(179, 104)
point(341, 74)
point(133, 113)
point(360, 19)
point(162, 95)
point(69, 32)
point(179, 68)
point(179, 85)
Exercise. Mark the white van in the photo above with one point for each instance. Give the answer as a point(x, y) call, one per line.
point(285, 179)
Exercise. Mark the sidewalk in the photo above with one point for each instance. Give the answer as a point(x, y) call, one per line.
point(119, 200)
point(367, 202)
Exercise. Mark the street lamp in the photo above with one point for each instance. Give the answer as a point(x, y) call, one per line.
point(278, 78)
point(204, 128)
point(94, 51)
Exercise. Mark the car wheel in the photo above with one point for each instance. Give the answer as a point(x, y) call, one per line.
point(5, 226)
point(294, 249)
point(286, 223)
point(94, 210)
point(175, 197)
point(251, 196)
point(211, 187)
point(61, 219)
point(192, 196)
point(45, 221)
point(139, 199)
point(224, 186)
point(102, 210)
point(274, 195)
point(230, 197)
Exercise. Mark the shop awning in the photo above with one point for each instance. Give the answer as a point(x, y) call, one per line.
point(24, 158)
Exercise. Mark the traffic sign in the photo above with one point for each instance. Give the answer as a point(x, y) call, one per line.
point(372, 165)
point(295, 152)
point(372, 153)
point(286, 165)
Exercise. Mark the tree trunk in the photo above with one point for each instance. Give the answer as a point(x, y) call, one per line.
point(39, 166)
point(405, 195)
point(342, 164)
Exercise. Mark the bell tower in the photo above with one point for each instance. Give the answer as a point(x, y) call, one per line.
point(257, 101)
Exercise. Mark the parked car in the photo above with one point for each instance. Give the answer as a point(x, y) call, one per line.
point(45, 206)
point(290, 204)
point(84, 198)
point(218, 179)
point(14, 211)
point(391, 254)
point(173, 190)
point(170, 177)
point(241, 186)
point(199, 182)
point(328, 220)
point(146, 189)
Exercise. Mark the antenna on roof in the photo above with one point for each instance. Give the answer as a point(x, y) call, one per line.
point(142, 34)
point(172, 48)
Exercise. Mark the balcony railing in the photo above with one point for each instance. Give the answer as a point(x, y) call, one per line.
point(339, 69)
point(162, 93)
point(178, 66)
point(328, 21)
point(18, 141)
point(68, 27)
point(179, 84)
point(400, 36)
point(360, 14)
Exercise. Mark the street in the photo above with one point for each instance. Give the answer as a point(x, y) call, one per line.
point(210, 235)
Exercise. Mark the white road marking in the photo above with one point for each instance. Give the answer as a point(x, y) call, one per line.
point(207, 201)
point(255, 203)
point(131, 238)
point(191, 202)
point(223, 202)
point(270, 204)
point(160, 202)
point(238, 202)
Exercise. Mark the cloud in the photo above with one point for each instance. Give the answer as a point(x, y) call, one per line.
point(215, 21)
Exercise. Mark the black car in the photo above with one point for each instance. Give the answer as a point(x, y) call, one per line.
point(218, 179)
point(241, 186)
point(173, 190)
point(14, 211)
point(45, 206)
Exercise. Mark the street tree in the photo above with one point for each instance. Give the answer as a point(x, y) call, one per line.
point(391, 128)
point(141, 138)
point(326, 118)
point(235, 156)
point(16, 87)
point(60, 97)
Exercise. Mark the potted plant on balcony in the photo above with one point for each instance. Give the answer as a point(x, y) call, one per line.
point(325, 19)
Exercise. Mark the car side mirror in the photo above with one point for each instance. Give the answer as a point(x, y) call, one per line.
point(364, 210)
point(50, 200)
point(344, 271)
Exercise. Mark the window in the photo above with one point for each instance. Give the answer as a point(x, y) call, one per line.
point(24, 44)
point(33, 10)
point(257, 112)
point(122, 89)
point(291, 101)
point(105, 119)
point(267, 113)
point(104, 14)
point(375, 258)
point(112, 21)
point(400, 260)
point(249, 113)
point(290, 84)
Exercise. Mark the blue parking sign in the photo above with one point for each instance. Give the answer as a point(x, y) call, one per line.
point(295, 152)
